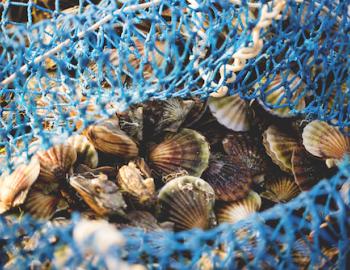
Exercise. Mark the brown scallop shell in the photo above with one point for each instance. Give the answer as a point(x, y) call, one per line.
point(245, 151)
point(188, 202)
point(186, 150)
point(43, 205)
point(57, 162)
point(131, 122)
point(229, 181)
point(307, 170)
point(280, 190)
point(86, 152)
point(107, 137)
point(325, 141)
point(14, 187)
point(236, 211)
point(279, 146)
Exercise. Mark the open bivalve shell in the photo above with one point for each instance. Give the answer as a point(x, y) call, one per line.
point(325, 141)
point(188, 202)
point(187, 150)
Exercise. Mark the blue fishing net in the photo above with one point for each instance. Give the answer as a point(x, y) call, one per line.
point(62, 70)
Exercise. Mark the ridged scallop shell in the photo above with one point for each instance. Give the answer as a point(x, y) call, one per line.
point(195, 114)
point(168, 115)
point(232, 112)
point(134, 184)
point(279, 146)
point(236, 211)
point(186, 150)
point(131, 122)
point(43, 206)
point(188, 202)
point(56, 162)
point(246, 152)
point(229, 181)
point(111, 172)
point(107, 137)
point(307, 170)
point(281, 189)
point(14, 187)
point(325, 141)
point(276, 94)
point(142, 220)
point(86, 152)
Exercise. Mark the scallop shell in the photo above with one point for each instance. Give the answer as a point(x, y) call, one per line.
point(107, 137)
point(229, 181)
point(325, 141)
point(276, 94)
point(43, 206)
point(131, 122)
point(188, 202)
point(186, 150)
point(195, 114)
point(14, 187)
point(142, 220)
point(281, 190)
point(111, 172)
point(168, 115)
point(86, 152)
point(307, 170)
point(56, 163)
point(232, 112)
point(279, 146)
point(245, 152)
point(131, 182)
point(236, 211)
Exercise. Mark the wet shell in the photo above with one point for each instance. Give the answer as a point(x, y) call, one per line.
point(246, 152)
point(345, 193)
point(279, 146)
point(186, 150)
point(43, 206)
point(281, 190)
point(100, 194)
point(229, 181)
point(14, 187)
point(236, 211)
point(107, 137)
point(307, 170)
point(325, 141)
point(86, 152)
point(276, 94)
point(168, 115)
point(188, 202)
point(196, 113)
point(56, 163)
point(131, 122)
point(232, 112)
point(142, 220)
point(111, 172)
point(131, 182)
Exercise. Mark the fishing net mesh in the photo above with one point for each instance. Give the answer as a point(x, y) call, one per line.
point(61, 73)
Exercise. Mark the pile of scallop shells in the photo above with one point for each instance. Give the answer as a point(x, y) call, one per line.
point(181, 164)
